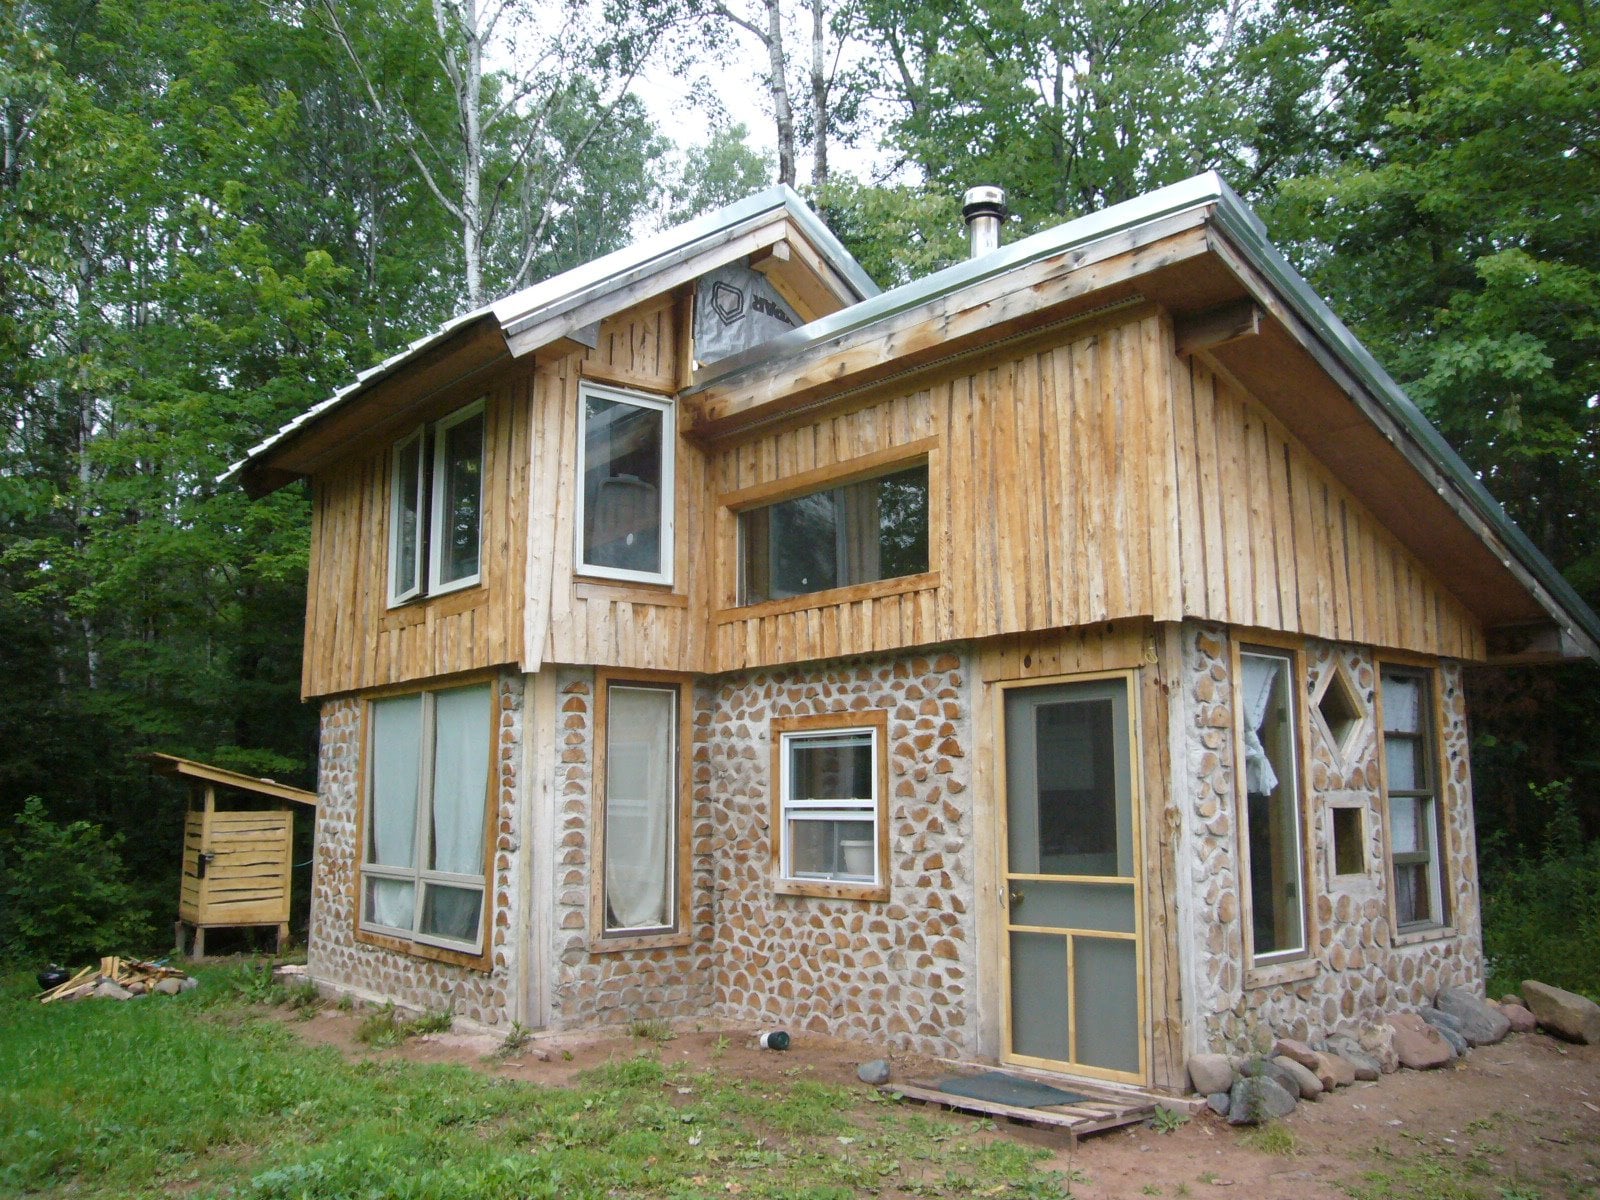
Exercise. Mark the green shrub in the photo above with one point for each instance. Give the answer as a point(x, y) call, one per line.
point(1541, 913)
point(64, 893)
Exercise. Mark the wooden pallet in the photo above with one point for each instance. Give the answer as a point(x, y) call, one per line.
point(1093, 1114)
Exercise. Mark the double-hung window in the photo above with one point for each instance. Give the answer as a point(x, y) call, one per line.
point(424, 852)
point(642, 827)
point(857, 532)
point(625, 484)
point(1273, 831)
point(831, 827)
point(1412, 798)
point(436, 507)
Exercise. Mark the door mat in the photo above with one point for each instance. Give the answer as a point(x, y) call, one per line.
point(1006, 1089)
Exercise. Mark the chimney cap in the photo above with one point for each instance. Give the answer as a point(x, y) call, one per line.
point(986, 200)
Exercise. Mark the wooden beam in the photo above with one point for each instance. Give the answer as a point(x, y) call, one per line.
point(1217, 327)
point(1536, 642)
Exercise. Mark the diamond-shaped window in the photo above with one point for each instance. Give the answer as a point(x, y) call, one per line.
point(1342, 711)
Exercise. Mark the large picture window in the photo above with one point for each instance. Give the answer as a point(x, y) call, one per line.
point(1273, 834)
point(830, 831)
point(625, 494)
point(428, 792)
point(1412, 797)
point(641, 823)
point(858, 532)
point(436, 507)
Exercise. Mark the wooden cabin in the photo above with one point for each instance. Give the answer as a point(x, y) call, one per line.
point(1054, 661)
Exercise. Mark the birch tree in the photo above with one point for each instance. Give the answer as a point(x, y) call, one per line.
point(513, 74)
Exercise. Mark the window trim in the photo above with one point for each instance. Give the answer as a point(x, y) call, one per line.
point(601, 940)
point(1431, 718)
point(411, 942)
point(783, 731)
point(667, 406)
point(1303, 955)
point(429, 440)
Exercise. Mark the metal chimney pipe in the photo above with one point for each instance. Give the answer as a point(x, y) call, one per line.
point(983, 209)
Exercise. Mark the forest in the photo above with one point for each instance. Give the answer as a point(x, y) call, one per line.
point(214, 212)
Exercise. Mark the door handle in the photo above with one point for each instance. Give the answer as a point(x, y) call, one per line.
point(1016, 898)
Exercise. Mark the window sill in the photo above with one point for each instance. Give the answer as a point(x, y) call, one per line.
point(1416, 937)
point(643, 941)
point(899, 585)
point(460, 958)
point(820, 890)
point(1281, 973)
point(591, 588)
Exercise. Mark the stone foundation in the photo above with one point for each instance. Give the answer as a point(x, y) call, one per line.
point(335, 957)
point(1356, 968)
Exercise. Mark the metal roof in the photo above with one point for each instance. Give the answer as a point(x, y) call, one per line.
point(1208, 191)
point(562, 293)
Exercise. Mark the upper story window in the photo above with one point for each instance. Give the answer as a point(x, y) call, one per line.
point(436, 507)
point(625, 474)
point(853, 533)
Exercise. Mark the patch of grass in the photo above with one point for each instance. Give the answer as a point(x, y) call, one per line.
point(215, 1099)
point(516, 1039)
point(387, 1027)
point(654, 1031)
point(1167, 1120)
point(1272, 1137)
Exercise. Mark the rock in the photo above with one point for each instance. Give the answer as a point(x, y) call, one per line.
point(1378, 1041)
point(1298, 1051)
point(1219, 1101)
point(1365, 1065)
point(1334, 1072)
point(1565, 1014)
point(137, 989)
point(1449, 1028)
point(1481, 1023)
point(874, 1072)
point(1268, 1069)
point(1310, 1085)
point(188, 983)
point(1255, 1099)
point(1210, 1073)
point(168, 987)
point(107, 990)
point(1417, 1044)
point(1511, 998)
point(1522, 1021)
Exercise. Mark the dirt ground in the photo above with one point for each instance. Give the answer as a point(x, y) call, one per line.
point(1511, 1122)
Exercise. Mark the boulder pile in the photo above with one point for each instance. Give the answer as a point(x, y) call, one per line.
point(1259, 1087)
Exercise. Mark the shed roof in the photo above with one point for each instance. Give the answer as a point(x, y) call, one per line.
point(186, 768)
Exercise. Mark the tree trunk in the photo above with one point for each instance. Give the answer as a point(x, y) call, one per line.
point(819, 97)
point(777, 83)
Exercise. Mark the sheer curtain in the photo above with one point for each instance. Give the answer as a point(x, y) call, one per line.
point(392, 826)
point(639, 807)
point(460, 801)
point(1259, 676)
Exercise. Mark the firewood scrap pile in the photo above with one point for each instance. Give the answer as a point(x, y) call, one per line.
point(120, 979)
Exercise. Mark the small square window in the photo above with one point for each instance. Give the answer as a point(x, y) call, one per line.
point(829, 836)
point(1349, 842)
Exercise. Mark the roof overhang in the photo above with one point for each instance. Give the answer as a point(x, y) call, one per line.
point(186, 768)
point(1197, 250)
point(774, 230)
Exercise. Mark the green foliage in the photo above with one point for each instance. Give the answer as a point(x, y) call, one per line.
point(65, 894)
point(387, 1027)
point(1541, 912)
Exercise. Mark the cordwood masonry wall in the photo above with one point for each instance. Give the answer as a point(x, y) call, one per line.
point(1356, 968)
point(335, 957)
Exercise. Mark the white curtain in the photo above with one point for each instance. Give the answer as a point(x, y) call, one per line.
point(460, 780)
point(639, 807)
point(1402, 701)
point(1259, 676)
point(392, 819)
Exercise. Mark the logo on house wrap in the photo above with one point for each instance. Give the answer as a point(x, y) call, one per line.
point(736, 309)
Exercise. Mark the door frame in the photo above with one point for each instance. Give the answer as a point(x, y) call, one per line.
point(1136, 798)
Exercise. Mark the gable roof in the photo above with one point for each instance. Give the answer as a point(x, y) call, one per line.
point(746, 389)
point(566, 303)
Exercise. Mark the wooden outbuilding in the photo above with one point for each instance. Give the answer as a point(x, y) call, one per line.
point(237, 860)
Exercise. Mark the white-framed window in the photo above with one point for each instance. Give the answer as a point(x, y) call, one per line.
point(838, 536)
point(1411, 797)
point(436, 507)
point(831, 829)
point(641, 829)
point(626, 460)
point(1272, 817)
point(428, 787)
